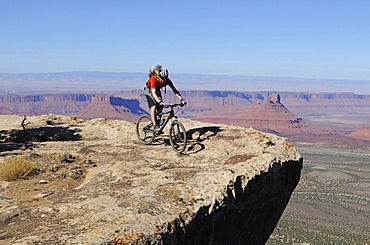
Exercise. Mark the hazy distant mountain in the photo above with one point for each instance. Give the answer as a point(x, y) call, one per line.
point(67, 82)
point(115, 81)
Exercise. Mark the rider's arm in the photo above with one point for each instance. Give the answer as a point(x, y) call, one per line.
point(155, 96)
point(175, 91)
point(179, 96)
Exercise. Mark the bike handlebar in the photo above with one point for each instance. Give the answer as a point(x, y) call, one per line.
point(174, 105)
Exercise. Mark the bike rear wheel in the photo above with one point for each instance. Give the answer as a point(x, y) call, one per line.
point(144, 130)
point(178, 136)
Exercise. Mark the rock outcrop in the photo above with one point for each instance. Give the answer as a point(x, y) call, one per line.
point(324, 111)
point(114, 108)
point(299, 103)
point(362, 134)
point(84, 106)
point(67, 104)
point(5, 111)
point(101, 186)
point(271, 116)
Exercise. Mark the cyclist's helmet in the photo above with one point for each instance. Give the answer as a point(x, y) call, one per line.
point(154, 70)
point(163, 73)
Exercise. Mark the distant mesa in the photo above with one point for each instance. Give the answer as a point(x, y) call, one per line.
point(6, 111)
point(112, 108)
point(276, 113)
point(86, 106)
point(59, 104)
point(362, 134)
point(272, 116)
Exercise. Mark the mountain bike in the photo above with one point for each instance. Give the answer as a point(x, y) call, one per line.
point(177, 135)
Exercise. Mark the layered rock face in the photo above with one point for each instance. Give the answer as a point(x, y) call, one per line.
point(200, 102)
point(29, 105)
point(84, 106)
point(5, 111)
point(300, 103)
point(326, 103)
point(109, 107)
point(363, 134)
point(230, 186)
point(247, 213)
point(270, 116)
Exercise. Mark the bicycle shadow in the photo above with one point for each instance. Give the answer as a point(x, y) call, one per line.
point(197, 136)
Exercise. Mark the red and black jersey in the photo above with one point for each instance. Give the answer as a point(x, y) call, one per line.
point(153, 83)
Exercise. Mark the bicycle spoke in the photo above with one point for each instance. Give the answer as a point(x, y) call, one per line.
point(178, 137)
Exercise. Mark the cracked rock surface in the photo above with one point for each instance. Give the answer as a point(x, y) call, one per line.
point(97, 184)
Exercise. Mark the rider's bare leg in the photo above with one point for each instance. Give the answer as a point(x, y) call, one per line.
point(153, 116)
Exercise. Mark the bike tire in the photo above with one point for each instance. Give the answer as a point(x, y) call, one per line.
point(144, 130)
point(177, 136)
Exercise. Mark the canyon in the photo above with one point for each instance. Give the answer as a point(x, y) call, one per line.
point(329, 128)
point(269, 116)
point(288, 114)
point(86, 160)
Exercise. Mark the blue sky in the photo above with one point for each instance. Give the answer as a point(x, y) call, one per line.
point(312, 39)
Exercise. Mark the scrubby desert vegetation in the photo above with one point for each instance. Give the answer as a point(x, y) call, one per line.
point(331, 204)
point(15, 168)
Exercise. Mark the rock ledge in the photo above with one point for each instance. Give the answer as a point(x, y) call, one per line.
point(230, 187)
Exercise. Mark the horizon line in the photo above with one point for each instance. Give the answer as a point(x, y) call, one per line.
point(196, 74)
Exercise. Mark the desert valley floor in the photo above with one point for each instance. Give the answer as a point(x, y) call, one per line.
point(331, 204)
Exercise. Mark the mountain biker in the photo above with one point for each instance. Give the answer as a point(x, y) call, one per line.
point(158, 78)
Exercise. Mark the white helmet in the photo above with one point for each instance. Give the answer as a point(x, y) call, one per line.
point(163, 73)
point(155, 67)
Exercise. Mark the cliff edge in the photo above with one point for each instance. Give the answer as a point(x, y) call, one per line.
point(96, 184)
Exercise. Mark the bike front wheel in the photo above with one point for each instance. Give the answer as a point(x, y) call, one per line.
point(178, 136)
point(144, 130)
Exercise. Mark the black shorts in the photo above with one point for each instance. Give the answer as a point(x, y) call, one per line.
point(151, 100)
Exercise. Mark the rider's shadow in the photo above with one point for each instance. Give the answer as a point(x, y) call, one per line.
point(197, 136)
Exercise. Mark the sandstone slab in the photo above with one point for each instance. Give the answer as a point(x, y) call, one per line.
point(231, 185)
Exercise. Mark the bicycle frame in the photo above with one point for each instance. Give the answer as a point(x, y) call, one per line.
point(168, 116)
point(171, 115)
point(177, 131)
